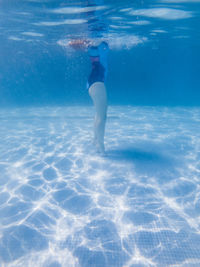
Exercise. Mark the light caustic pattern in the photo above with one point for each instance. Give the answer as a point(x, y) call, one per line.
point(63, 205)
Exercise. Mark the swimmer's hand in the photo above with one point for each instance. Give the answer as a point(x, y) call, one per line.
point(79, 44)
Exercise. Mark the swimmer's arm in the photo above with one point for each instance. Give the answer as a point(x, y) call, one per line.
point(79, 44)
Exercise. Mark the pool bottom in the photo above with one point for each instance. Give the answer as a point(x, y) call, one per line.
point(62, 204)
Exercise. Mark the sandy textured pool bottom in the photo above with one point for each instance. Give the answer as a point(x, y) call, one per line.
point(62, 204)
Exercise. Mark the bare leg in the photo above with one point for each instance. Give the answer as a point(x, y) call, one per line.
point(98, 94)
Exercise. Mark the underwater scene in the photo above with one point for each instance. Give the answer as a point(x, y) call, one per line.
point(100, 133)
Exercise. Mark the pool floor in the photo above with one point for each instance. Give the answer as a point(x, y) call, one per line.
point(64, 205)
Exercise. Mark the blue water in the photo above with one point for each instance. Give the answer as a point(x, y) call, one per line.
point(154, 51)
point(62, 204)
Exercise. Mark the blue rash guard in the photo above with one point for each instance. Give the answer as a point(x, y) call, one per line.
point(99, 68)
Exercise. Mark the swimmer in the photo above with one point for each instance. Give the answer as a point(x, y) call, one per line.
point(96, 86)
point(97, 91)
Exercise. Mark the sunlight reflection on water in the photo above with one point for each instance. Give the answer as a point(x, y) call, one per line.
point(61, 204)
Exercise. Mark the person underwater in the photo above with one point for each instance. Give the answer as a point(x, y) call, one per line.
point(96, 86)
point(97, 91)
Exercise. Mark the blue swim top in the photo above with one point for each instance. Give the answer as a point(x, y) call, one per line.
point(100, 68)
point(93, 51)
point(103, 54)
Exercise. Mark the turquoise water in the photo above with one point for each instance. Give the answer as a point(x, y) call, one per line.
point(154, 51)
point(61, 203)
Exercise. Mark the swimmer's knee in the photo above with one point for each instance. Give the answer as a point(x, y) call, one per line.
point(100, 119)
